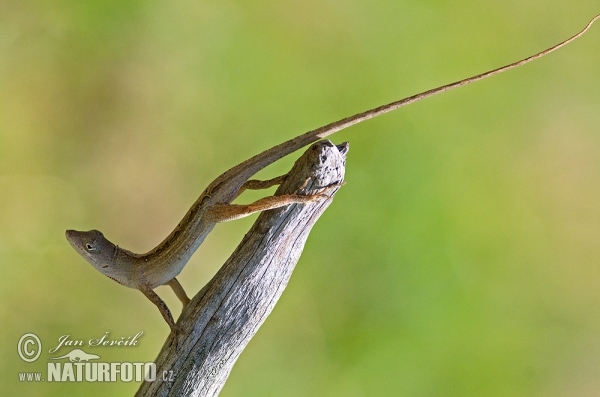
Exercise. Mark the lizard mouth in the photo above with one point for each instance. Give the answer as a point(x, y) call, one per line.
point(71, 235)
point(74, 238)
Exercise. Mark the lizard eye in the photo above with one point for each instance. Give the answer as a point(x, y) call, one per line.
point(89, 247)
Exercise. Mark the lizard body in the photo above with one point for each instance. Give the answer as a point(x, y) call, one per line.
point(161, 265)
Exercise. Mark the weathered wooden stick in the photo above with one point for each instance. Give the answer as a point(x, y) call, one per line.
point(223, 317)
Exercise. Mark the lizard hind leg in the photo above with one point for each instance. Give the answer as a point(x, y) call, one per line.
point(229, 212)
point(255, 184)
point(179, 291)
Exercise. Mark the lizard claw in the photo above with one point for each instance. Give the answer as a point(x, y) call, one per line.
point(333, 186)
point(297, 192)
point(321, 195)
point(328, 188)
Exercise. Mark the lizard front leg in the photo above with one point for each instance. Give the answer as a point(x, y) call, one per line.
point(179, 291)
point(162, 307)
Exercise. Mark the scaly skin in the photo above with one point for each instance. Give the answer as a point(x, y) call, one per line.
point(161, 265)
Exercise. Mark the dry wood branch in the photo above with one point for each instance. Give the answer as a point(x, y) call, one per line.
point(223, 317)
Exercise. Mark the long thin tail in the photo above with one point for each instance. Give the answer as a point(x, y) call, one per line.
point(357, 118)
point(249, 167)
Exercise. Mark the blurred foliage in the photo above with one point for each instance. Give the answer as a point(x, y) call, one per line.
point(461, 259)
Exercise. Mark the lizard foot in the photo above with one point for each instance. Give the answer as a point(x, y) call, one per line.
point(321, 195)
point(178, 334)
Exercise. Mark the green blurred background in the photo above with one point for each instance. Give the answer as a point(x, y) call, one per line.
point(461, 258)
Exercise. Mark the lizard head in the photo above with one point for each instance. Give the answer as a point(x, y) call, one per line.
point(95, 249)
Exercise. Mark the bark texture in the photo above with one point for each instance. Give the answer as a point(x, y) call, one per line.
point(223, 317)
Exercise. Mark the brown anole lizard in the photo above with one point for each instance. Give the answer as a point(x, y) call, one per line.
point(161, 265)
